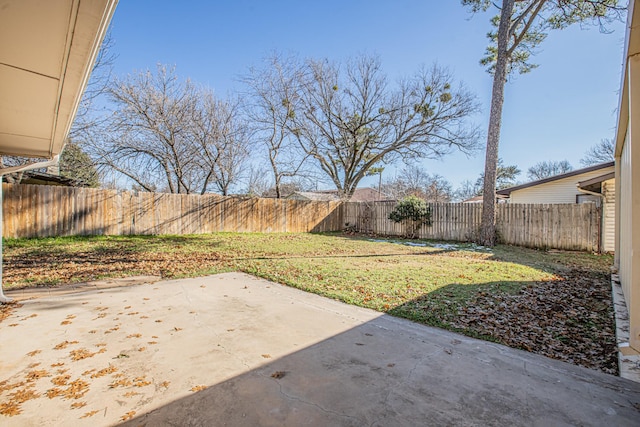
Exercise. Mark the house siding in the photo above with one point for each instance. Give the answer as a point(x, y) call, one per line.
point(559, 191)
point(625, 220)
point(609, 216)
point(627, 154)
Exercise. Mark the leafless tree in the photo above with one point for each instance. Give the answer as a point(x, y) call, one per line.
point(350, 119)
point(602, 152)
point(273, 98)
point(87, 115)
point(548, 168)
point(466, 190)
point(415, 181)
point(171, 135)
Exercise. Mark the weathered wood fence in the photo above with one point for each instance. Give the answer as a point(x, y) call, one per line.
point(559, 226)
point(45, 211)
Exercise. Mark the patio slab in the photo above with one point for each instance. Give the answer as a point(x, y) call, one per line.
point(232, 349)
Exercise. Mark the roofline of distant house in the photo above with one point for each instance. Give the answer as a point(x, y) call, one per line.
point(507, 191)
point(597, 179)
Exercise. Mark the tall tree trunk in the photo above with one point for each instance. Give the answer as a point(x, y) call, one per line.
point(488, 228)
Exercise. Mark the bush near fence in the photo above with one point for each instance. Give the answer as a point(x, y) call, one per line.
point(46, 211)
point(545, 226)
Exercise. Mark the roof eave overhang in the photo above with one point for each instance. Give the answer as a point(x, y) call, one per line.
point(45, 69)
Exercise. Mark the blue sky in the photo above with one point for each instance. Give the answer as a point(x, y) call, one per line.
point(555, 112)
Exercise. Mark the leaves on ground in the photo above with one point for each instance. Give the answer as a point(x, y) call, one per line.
point(89, 414)
point(83, 353)
point(64, 345)
point(128, 416)
point(571, 319)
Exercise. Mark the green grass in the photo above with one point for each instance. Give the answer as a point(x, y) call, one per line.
point(356, 270)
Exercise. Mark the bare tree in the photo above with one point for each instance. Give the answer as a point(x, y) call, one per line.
point(257, 181)
point(350, 120)
point(521, 26)
point(415, 181)
point(466, 190)
point(549, 168)
point(602, 152)
point(171, 135)
point(87, 115)
point(274, 97)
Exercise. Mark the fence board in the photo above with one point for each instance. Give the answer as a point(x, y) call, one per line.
point(43, 211)
point(566, 226)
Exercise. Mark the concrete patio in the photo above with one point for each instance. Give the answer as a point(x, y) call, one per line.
point(232, 349)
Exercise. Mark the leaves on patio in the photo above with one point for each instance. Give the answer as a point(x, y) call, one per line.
point(6, 310)
point(64, 344)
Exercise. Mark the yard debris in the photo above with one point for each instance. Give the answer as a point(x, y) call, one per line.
point(571, 320)
point(128, 416)
point(64, 344)
point(89, 414)
point(278, 374)
point(82, 353)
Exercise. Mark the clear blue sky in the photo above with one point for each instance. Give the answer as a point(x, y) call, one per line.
point(553, 113)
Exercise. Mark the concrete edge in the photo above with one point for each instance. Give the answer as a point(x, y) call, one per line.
point(628, 358)
point(32, 293)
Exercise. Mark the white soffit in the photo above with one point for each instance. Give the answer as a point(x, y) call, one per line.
point(47, 51)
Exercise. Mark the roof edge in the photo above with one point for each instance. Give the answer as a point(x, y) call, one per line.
point(507, 191)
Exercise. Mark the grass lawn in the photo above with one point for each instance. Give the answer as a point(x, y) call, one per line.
point(553, 303)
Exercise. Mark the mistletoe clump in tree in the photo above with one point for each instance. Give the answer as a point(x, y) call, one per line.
point(414, 212)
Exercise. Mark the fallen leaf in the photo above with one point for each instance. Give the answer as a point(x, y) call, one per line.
point(128, 416)
point(89, 414)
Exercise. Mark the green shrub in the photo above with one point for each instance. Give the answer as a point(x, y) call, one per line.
point(414, 212)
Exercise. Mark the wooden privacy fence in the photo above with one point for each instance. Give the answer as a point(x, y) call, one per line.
point(45, 211)
point(561, 226)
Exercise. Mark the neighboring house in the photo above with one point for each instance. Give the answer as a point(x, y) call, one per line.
point(475, 199)
point(478, 199)
point(366, 194)
point(42, 178)
point(591, 184)
point(627, 155)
